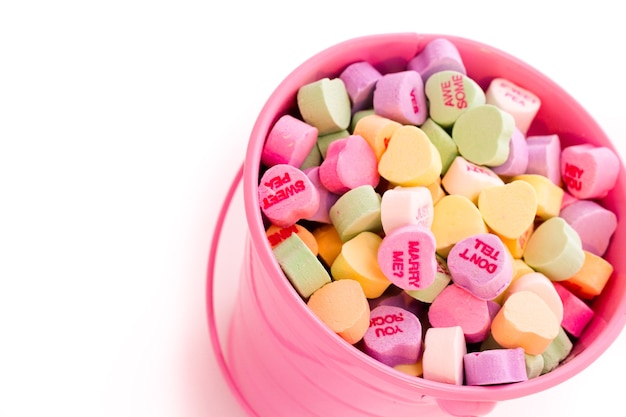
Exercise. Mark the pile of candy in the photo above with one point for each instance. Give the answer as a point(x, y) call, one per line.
point(419, 220)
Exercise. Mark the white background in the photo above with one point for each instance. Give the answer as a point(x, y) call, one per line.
point(122, 123)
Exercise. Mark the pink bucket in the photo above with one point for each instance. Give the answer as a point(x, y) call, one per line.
point(281, 361)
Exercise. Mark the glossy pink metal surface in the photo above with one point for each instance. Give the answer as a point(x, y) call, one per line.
point(281, 361)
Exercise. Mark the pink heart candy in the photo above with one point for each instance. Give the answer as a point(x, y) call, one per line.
point(589, 171)
point(287, 195)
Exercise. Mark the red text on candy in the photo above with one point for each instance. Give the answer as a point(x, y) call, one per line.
point(458, 95)
point(476, 257)
point(283, 194)
point(386, 319)
point(278, 181)
point(571, 176)
point(414, 102)
point(517, 95)
point(414, 263)
point(282, 234)
point(387, 331)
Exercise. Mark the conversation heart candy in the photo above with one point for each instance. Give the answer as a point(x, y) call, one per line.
point(437, 55)
point(525, 321)
point(544, 156)
point(444, 349)
point(451, 93)
point(394, 336)
point(556, 352)
point(522, 104)
point(589, 171)
point(482, 135)
point(287, 195)
point(398, 298)
point(300, 265)
point(360, 79)
point(594, 224)
point(350, 162)
point(410, 159)
point(481, 265)
point(540, 285)
point(455, 218)
point(289, 142)
point(517, 161)
point(327, 198)
point(400, 206)
point(407, 257)
point(576, 313)
point(377, 131)
point(324, 141)
point(276, 235)
point(443, 142)
point(325, 105)
point(592, 277)
point(455, 306)
point(508, 210)
point(495, 366)
point(358, 260)
point(400, 96)
point(468, 179)
point(328, 243)
point(549, 195)
point(555, 249)
point(441, 282)
point(356, 211)
point(343, 307)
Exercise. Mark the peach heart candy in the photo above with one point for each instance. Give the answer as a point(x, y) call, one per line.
point(343, 307)
point(525, 321)
point(540, 285)
point(377, 131)
point(468, 179)
point(592, 277)
point(276, 234)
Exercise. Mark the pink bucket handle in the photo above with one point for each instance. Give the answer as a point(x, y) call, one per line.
point(215, 339)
